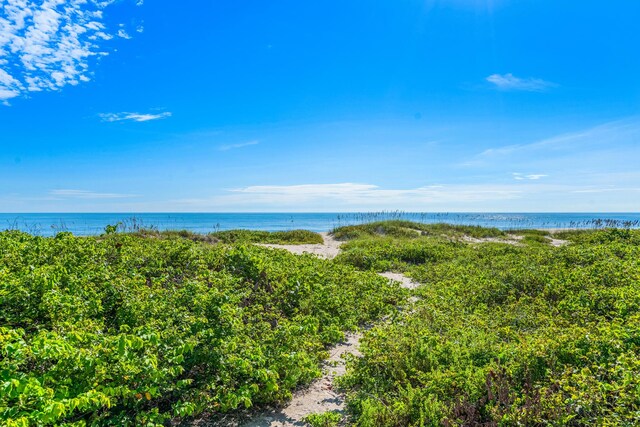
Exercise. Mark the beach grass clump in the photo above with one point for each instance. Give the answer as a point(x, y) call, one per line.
point(452, 230)
point(388, 253)
point(505, 335)
point(392, 228)
point(290, 237)
point(175, 234)
point(409, 229)
point(601, 236)
point(128, 330)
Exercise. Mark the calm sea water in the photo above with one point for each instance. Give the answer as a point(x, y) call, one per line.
point(47, 224)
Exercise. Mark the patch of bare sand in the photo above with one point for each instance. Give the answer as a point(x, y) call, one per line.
point(512, 239)
point(405, 281)
point(558, 242)
point(329, 249)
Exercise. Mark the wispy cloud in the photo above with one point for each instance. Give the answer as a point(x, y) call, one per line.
point(527, 195)
point(509, 82)
point(352, 195)
point(240, 145)
point(136, 117)
point(616, 132)
point(85, 194)
point(123, 34)
point(521, 176)
point(45, 46)
point(605, 190)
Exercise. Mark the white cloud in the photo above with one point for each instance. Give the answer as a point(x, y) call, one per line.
point(123, 34)
point(47, 45)
point(240, 145)
point(530, 195)
point(604, 190)
point(350, 196)
point(510, 82)
point(136, 117)
point(84, 194)
point(521, 177)
point(6, 94)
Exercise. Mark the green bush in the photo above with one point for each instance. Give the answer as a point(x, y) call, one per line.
point(386, 253)
point(504, 334)
point(126, 330)
point(292, 237)
point(325, 419)
point(535, 239)
point(175, 234)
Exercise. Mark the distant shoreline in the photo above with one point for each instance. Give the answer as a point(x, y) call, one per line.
point(84, 224)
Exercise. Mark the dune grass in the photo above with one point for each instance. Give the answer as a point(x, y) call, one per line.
point(291, 237)
point(409, 229)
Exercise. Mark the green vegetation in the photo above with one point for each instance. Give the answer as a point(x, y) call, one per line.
point(408, 229)
point(170, 234)
point(612, 235)
point(130, 330)
point(532, 237)
point(292, 237)
point(325, 419)
point(504, 334)
point(541, 233)
point(535, 239)
point(388, 253)
point(154, 327)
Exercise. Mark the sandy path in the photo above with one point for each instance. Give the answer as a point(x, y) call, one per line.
point(558, 242)
point(329, 249)
point(512, 239)
point(320, 396)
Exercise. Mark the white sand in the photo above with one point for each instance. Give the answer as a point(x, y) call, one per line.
point(511, 239)
point(405, 282)
point(329, 249)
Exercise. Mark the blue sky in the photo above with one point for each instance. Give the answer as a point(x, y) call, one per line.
point(226, 106)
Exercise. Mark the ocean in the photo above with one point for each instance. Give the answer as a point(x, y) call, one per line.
point(83, 224)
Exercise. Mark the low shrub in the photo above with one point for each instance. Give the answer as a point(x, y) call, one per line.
point(292, 237)
point(129, 330)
